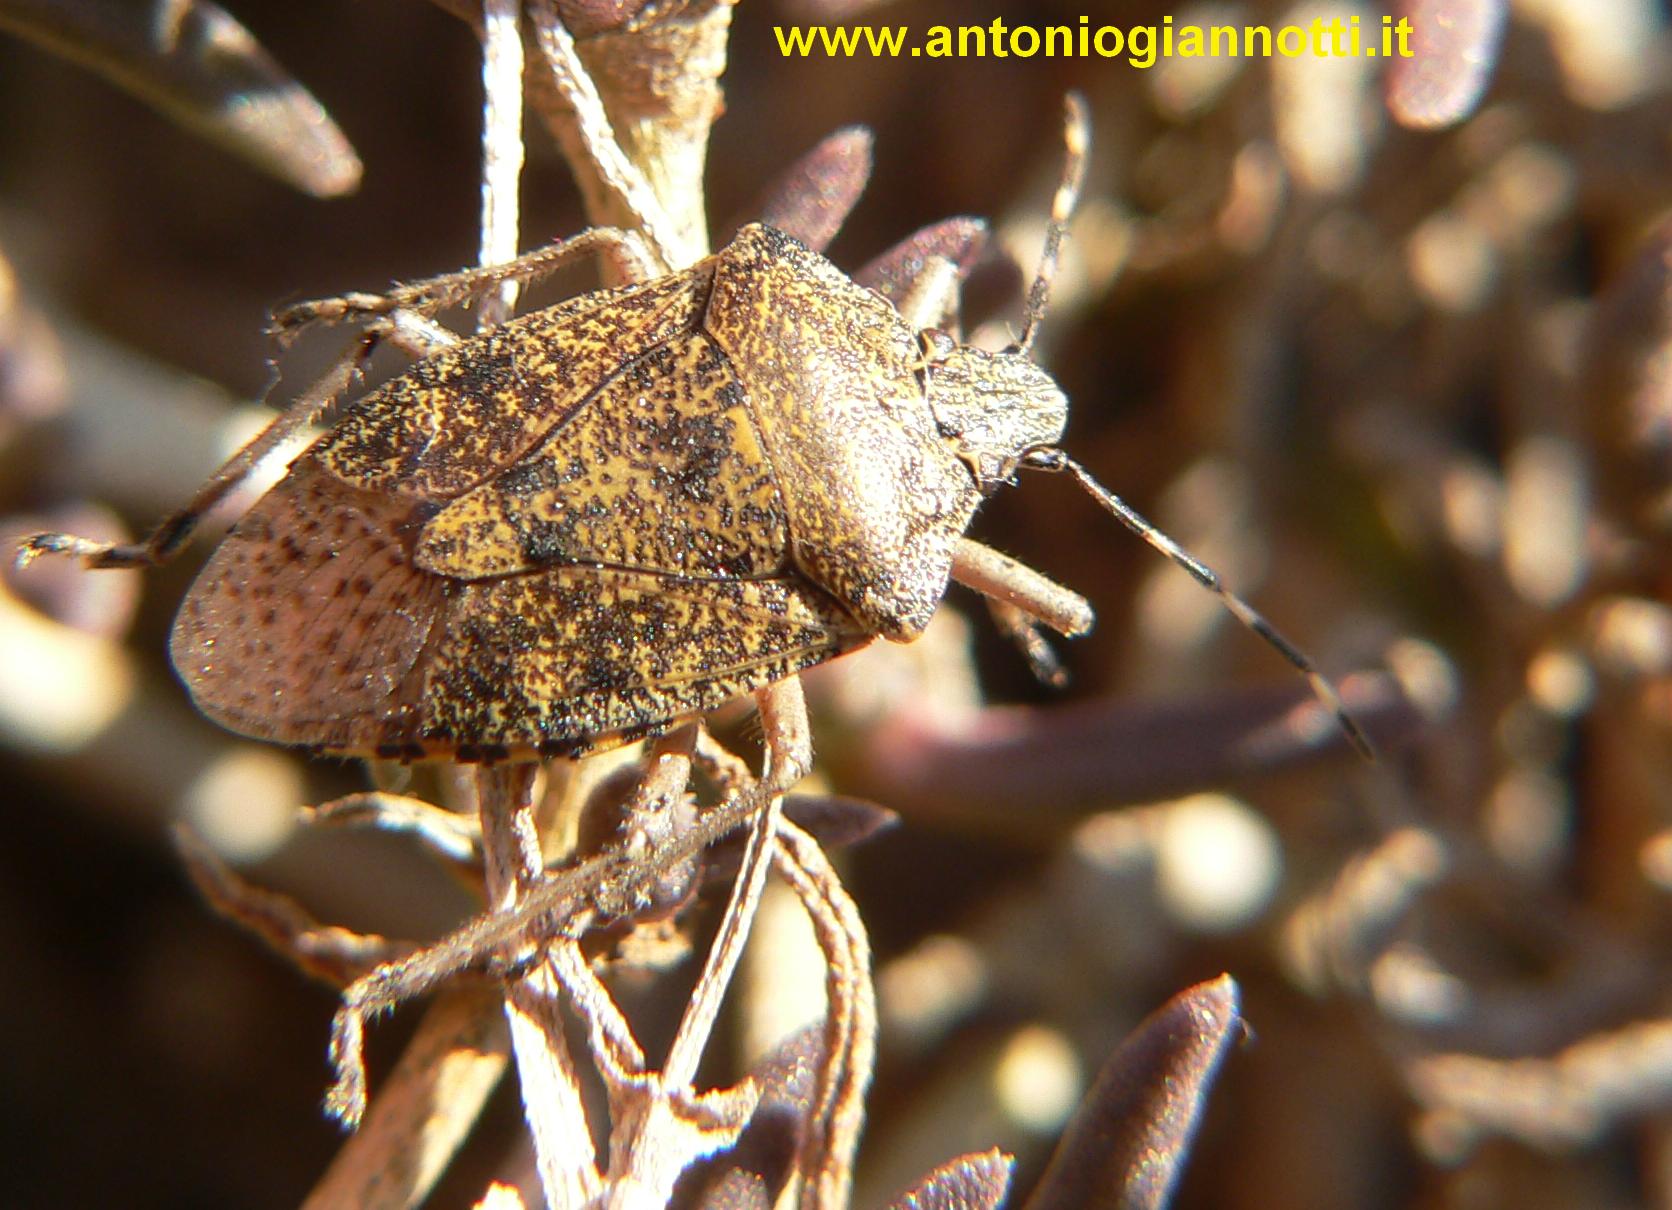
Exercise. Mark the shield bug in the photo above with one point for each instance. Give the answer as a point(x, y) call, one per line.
point(615, 514)
point(603, 519)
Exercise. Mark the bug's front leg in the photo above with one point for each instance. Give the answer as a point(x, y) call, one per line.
point(1020, 600)
point(1001, 578)
point(625, 251)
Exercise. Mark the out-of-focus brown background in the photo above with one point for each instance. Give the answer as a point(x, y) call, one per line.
point(1407, 389)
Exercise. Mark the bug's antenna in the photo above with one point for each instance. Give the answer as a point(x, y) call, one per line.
point(1077, 135)
point(1048, 458)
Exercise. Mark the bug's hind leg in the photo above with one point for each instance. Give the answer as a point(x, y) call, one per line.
point(625, 251)
point(404, 329)
point(168, 536)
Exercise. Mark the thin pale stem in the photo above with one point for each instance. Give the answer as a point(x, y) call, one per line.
point(618, 174)
point(850, 1020)
point(502, 148)
point(563, 1151)
point(784, 715)
point(425, 1111)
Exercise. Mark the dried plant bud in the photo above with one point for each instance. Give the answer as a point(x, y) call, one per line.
point(959, 240)
point(813, 196)
point(753, 1172)
point(588, 17)
point(835, 822)
point(1058, 763)
point(611, 820)
point(970, 1182)
point(194, 63)
point(1455, 45)
point(1127, 1144)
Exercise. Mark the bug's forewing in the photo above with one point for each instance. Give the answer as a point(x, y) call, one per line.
point(575, 659)
point(465, 414)
point(661, 471)
point(311, 625)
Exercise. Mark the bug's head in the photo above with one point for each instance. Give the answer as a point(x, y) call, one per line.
point(994, 407)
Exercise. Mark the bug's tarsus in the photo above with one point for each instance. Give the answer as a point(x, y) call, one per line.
point(1045, 458)
point(1077, 135)
point(1042, 659)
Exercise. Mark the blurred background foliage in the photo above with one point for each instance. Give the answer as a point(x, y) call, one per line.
point(1407, 388)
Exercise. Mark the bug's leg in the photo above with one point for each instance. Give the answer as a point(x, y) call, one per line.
point(1021, 600)
point(326, 952)
point(644, 1159)
point(556, 907)
point(789, 757)
point(456, 837)
point(1024, 633)
point(403, 329)
point(625, 250)
point(1003, 579)
point(382, 988)
point(165, 540)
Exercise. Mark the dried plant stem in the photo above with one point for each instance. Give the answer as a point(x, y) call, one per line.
point(616, 188)
point(850, 1017)
point(551, 1093)
point(326, 952)
point(512, 859)
point(426, 1109)
point(784, 715)
point(192, 61)
point(666, 1124)
point(613, 1045)
point(448, 834)
point(502, 147)
point(697, 1024)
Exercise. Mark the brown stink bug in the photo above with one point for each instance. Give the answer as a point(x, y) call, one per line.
point(606, 518)
point(617, 513)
